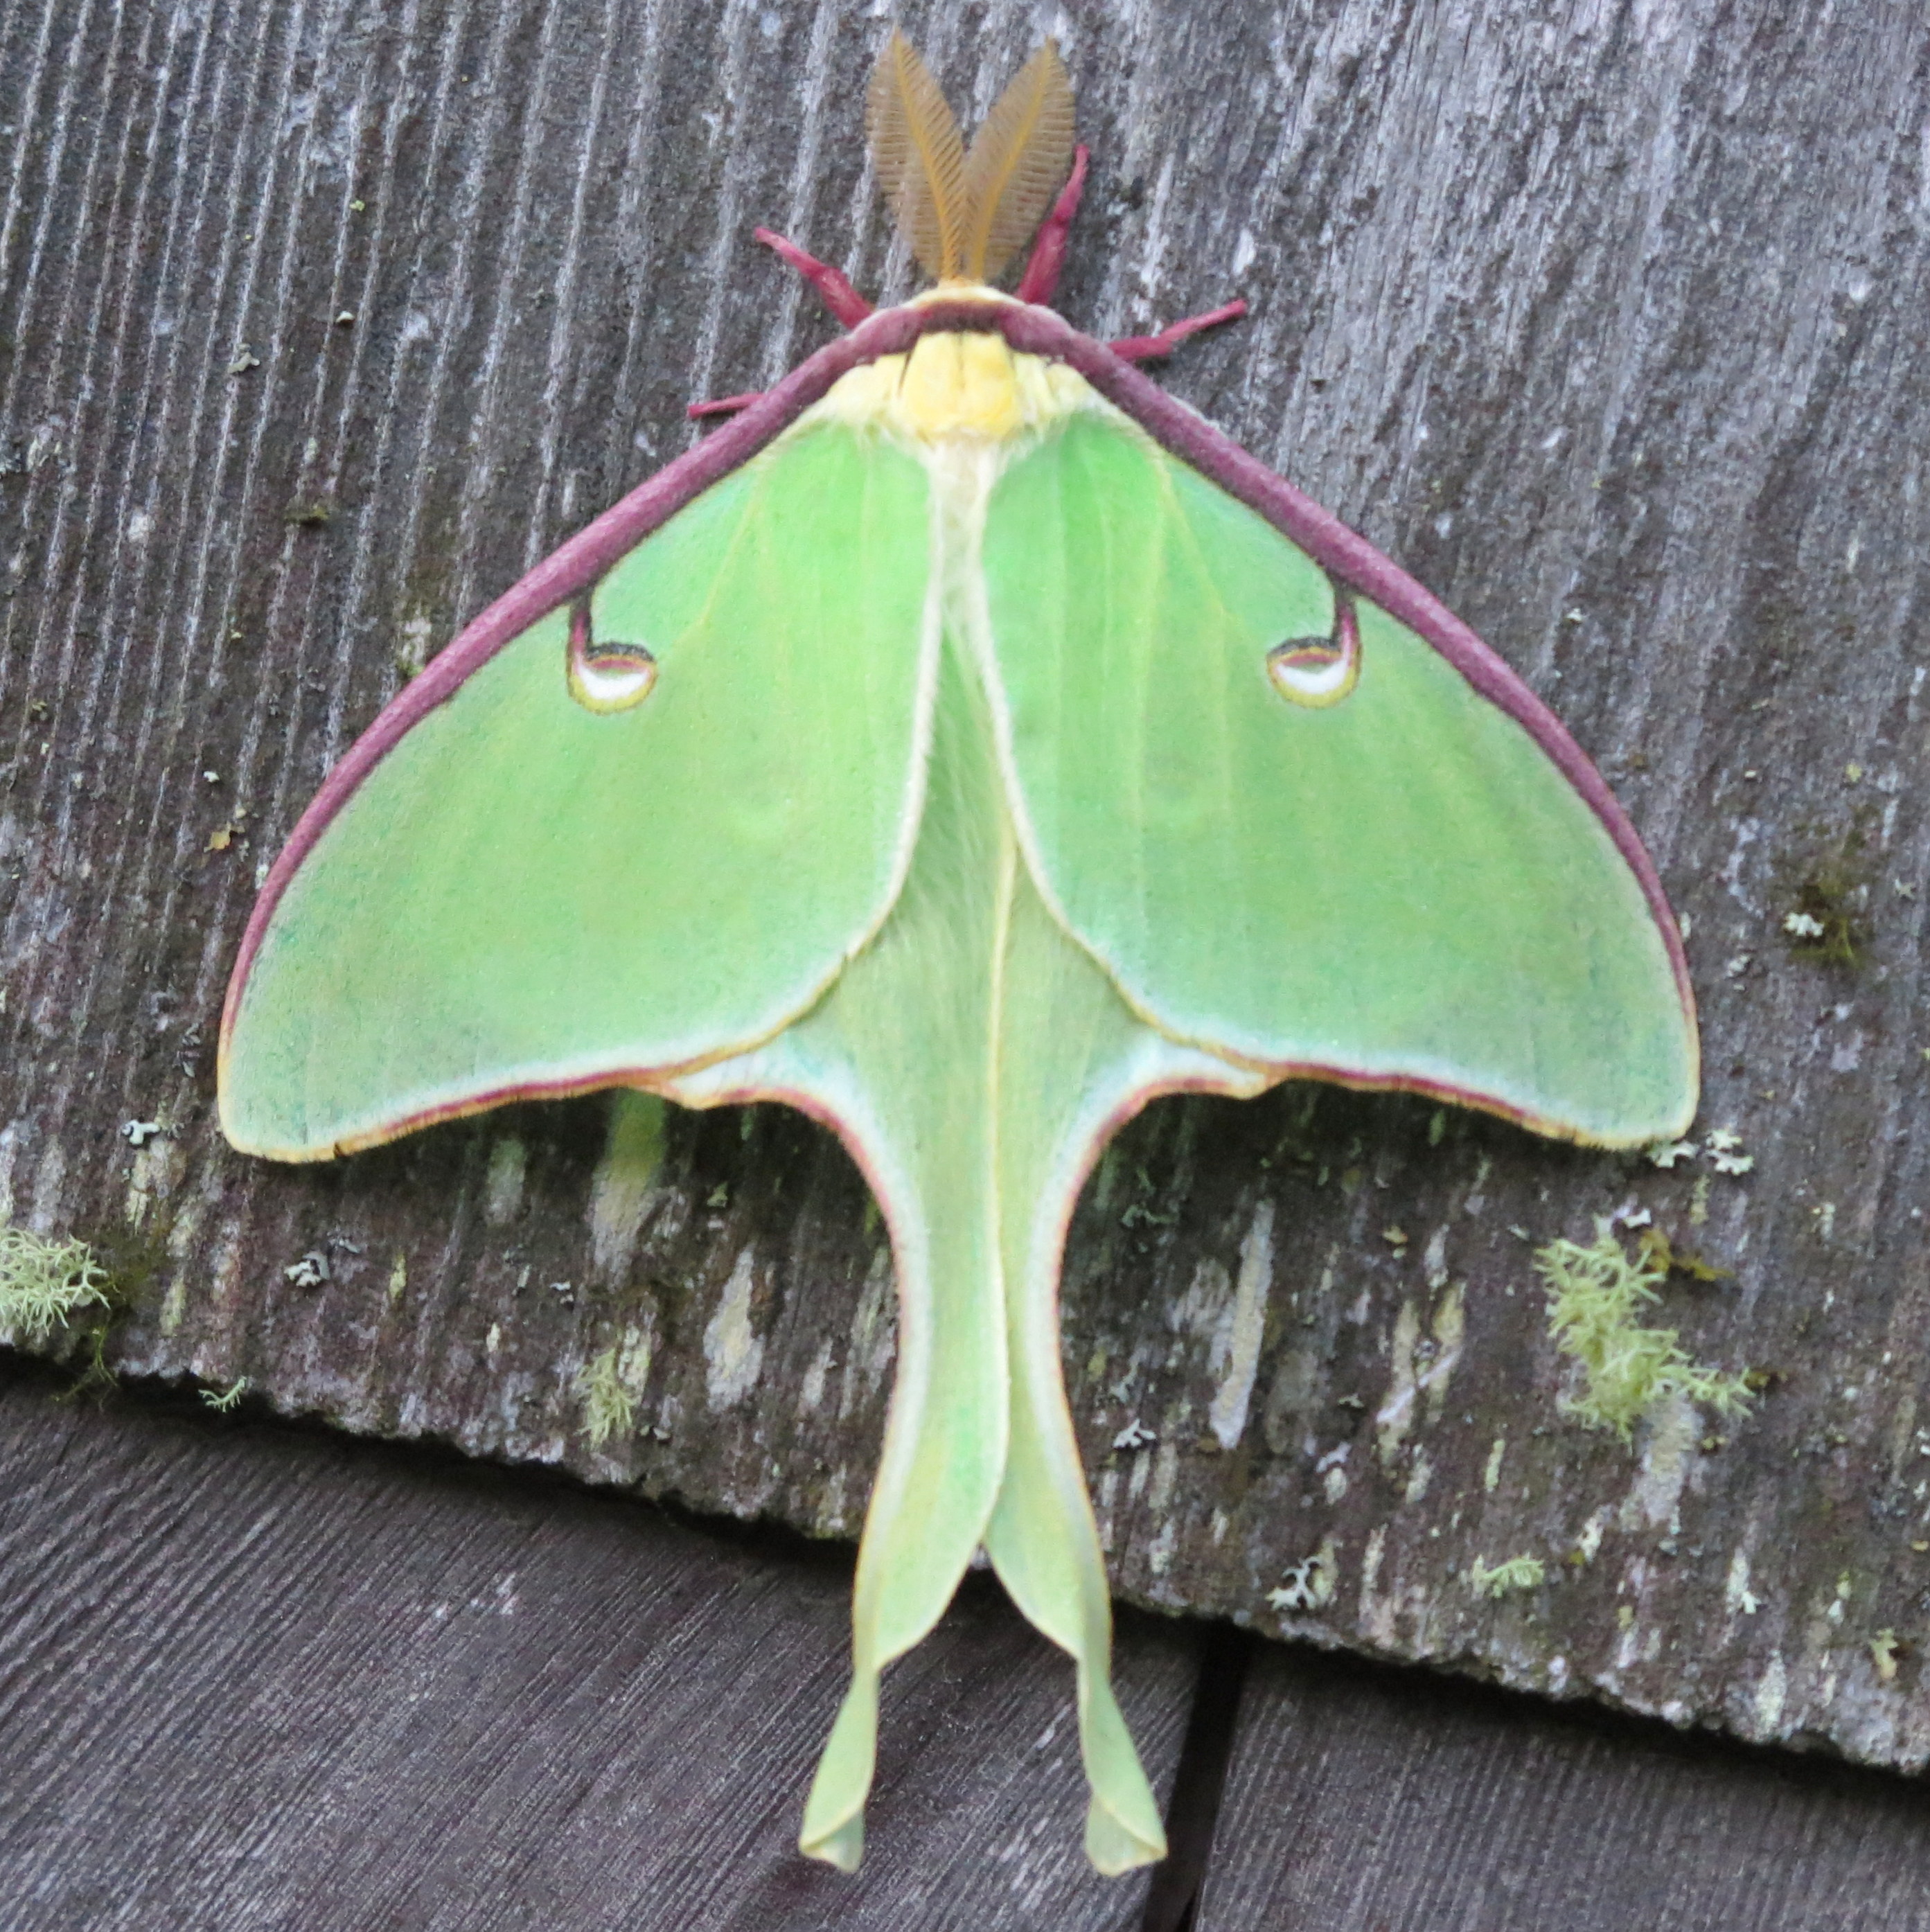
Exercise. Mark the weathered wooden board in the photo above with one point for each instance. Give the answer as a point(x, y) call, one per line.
point(253, 1677)
point(1607, 320)
point(1365, 1800)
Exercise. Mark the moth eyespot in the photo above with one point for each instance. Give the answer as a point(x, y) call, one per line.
point(1316, 672)
point(605, 677)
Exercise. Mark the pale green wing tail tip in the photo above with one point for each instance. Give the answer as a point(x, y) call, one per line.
point(1123, 1828)
point(834, 1813)
point(1113, 1848)
point(843, 1847)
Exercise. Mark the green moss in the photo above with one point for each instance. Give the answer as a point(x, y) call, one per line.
point(1655, 1249)
point(1829, 899)
point(132, 1257)
point(1518, 1573)
point(1595, 1295)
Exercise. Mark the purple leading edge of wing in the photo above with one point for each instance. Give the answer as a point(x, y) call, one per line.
point(1030, 330)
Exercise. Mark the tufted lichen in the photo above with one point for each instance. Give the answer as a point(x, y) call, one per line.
point(1518, 1573)
point(1595, 1295)
point(44, 1283)
point(611, 1386)
point(608, 1407)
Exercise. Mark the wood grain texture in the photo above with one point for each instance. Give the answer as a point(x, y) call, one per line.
point(258, 1678)
point(1606, 321)
point(1367, 1800)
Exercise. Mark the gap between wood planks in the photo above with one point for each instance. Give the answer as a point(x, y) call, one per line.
point(1199, 1779)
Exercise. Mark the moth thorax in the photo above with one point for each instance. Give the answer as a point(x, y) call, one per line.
point(968, 385)
point(955, 385)
point(962, 386)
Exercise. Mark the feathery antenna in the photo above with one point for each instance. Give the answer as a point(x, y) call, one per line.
point(920, 156)
point(1018, 159)
point(965, 215)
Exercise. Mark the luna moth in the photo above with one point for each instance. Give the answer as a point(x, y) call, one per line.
point(966, 744)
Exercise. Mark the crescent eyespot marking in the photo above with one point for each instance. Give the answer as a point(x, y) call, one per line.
point(1316, 672)
point(605, 678)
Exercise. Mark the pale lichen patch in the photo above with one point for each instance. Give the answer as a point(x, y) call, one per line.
point(184, 1242)
point(1377, 1612)
point(1160, 1551)
point(1902, 1431)
point(1204, 1308)
point(1236, 1351)
point(156, 1170)
point(1419, 1367)
point(811, 1388)
point(1449, 1327)
point(502, 1185)
point(1434, 1259)
point(1631, 1641)
point(1737, 1594)
point(873, 1337)
point(624, 1189)
point(1293, 1401)
point(733, 1350)
point(1838, 1604)
point(1517, 1573)
point(1310, 1584)
point(1166, 1478)
point(1672, 1442)
point(1588, 1542)
point(1396, 1414)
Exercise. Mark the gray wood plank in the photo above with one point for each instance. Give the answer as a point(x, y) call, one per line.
point(256, 1678)
point(1364, 1799)
point(1607, 322)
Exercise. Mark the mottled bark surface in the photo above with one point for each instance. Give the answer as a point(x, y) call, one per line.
point(322, 322)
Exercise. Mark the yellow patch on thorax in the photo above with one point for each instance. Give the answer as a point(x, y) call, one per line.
point(956, 384)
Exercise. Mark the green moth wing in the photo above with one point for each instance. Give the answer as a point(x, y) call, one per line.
point(645, 830)
point(1293, 828)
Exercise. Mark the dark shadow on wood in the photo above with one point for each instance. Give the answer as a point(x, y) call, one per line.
point(1200, 1780)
